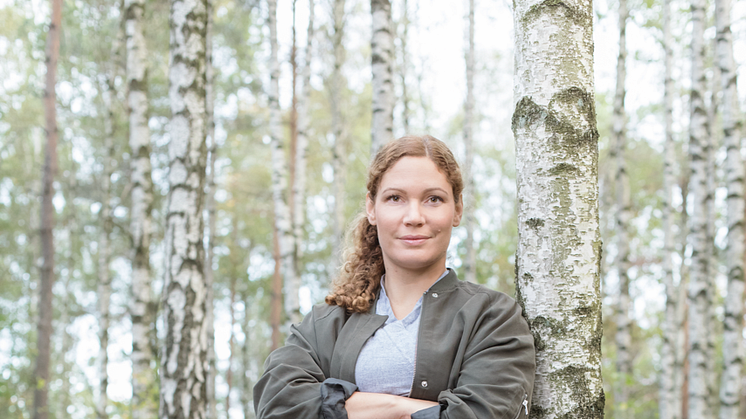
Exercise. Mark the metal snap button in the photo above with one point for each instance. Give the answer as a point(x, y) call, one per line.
point(424, 383)
point(435, 295)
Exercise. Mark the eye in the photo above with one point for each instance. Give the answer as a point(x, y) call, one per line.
point(393, 198)
point(434, 199)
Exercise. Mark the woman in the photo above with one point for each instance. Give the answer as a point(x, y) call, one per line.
point(400, 336)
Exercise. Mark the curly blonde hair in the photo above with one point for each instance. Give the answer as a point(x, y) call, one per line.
point(359, 279)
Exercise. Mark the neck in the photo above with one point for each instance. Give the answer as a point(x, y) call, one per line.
point(404, 287)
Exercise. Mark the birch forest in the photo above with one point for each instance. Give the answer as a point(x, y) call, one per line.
point(177, 177)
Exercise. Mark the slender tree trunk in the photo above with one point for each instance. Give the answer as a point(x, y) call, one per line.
point(275, 315)
point(339, 153)
point(619, 132)
point(279, 178)
point(299, 183)
point(104, 252)
point(700, 287)
point(671, 351)
point(246, 395)
point(184, 366)
point(211, 221)
point(470, 268)
point(143, 307)
point(559, 249)
point(730, 386)
point(382, 46)
point(404, 70)
point(66, 318)
point(683, 308)
point(713, 140)
point(44, 325)
point(231, 346)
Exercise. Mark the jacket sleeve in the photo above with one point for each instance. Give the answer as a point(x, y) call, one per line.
point(294, 384)
point(497, 373)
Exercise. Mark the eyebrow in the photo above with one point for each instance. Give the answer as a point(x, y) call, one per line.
point(428, 190)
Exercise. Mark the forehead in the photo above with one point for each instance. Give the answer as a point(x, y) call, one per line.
point(415, 172)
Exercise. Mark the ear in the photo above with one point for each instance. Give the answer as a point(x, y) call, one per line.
point(459, 211)
point(370, 209)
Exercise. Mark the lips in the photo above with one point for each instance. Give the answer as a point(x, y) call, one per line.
point(414, 240)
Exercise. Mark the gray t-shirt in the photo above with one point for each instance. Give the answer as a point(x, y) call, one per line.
point(387, 361)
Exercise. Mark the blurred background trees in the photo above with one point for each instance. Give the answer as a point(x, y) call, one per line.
point(115, 172)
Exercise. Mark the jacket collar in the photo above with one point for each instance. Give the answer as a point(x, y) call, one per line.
point(448, 282)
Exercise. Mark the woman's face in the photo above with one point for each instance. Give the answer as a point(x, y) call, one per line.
point(414, 212)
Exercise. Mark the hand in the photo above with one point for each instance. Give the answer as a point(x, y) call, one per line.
point(383, 406)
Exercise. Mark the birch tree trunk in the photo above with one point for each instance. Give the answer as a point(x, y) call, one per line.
point(713, 140)
point(700, 287)
point(683, 308)
point(339, 153)
point(671, 377)
point(279, 178)
point(143, 307)
point(470, 263)
point(559, 249)
point(301, 154)
point(275, 313)
point(730, 386)
point(184, 366)
point(382, 48)
point(246, 394)
point(44, 322)
point(104, 252)
point(211, 221)
point(404, 70)
point(231, 344)
point(623, 336)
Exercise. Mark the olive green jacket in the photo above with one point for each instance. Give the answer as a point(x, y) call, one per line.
point(475, 356)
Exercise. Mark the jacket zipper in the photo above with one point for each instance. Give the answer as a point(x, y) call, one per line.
point(524, 407)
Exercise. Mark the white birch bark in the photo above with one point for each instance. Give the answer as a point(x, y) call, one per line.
point(104, 252)
point(283, 222)
point(142, 307)
point(671, 377)
point(730, 386)
point(382, 48)
point(470, 262)
point(339, 152)
point(301, 153)
point(404, 70)
point(700, 286)
point(623, 338)
point(210, 207)
point(246, 394)
point(713, 140)
point(559, 248)
point(184, 366)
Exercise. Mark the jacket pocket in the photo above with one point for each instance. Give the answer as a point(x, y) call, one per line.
point(523, 410)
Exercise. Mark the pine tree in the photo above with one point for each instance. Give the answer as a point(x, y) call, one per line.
point(44, 325)
point(283, 222)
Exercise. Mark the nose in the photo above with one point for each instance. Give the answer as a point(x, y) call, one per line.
point(414, 216)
